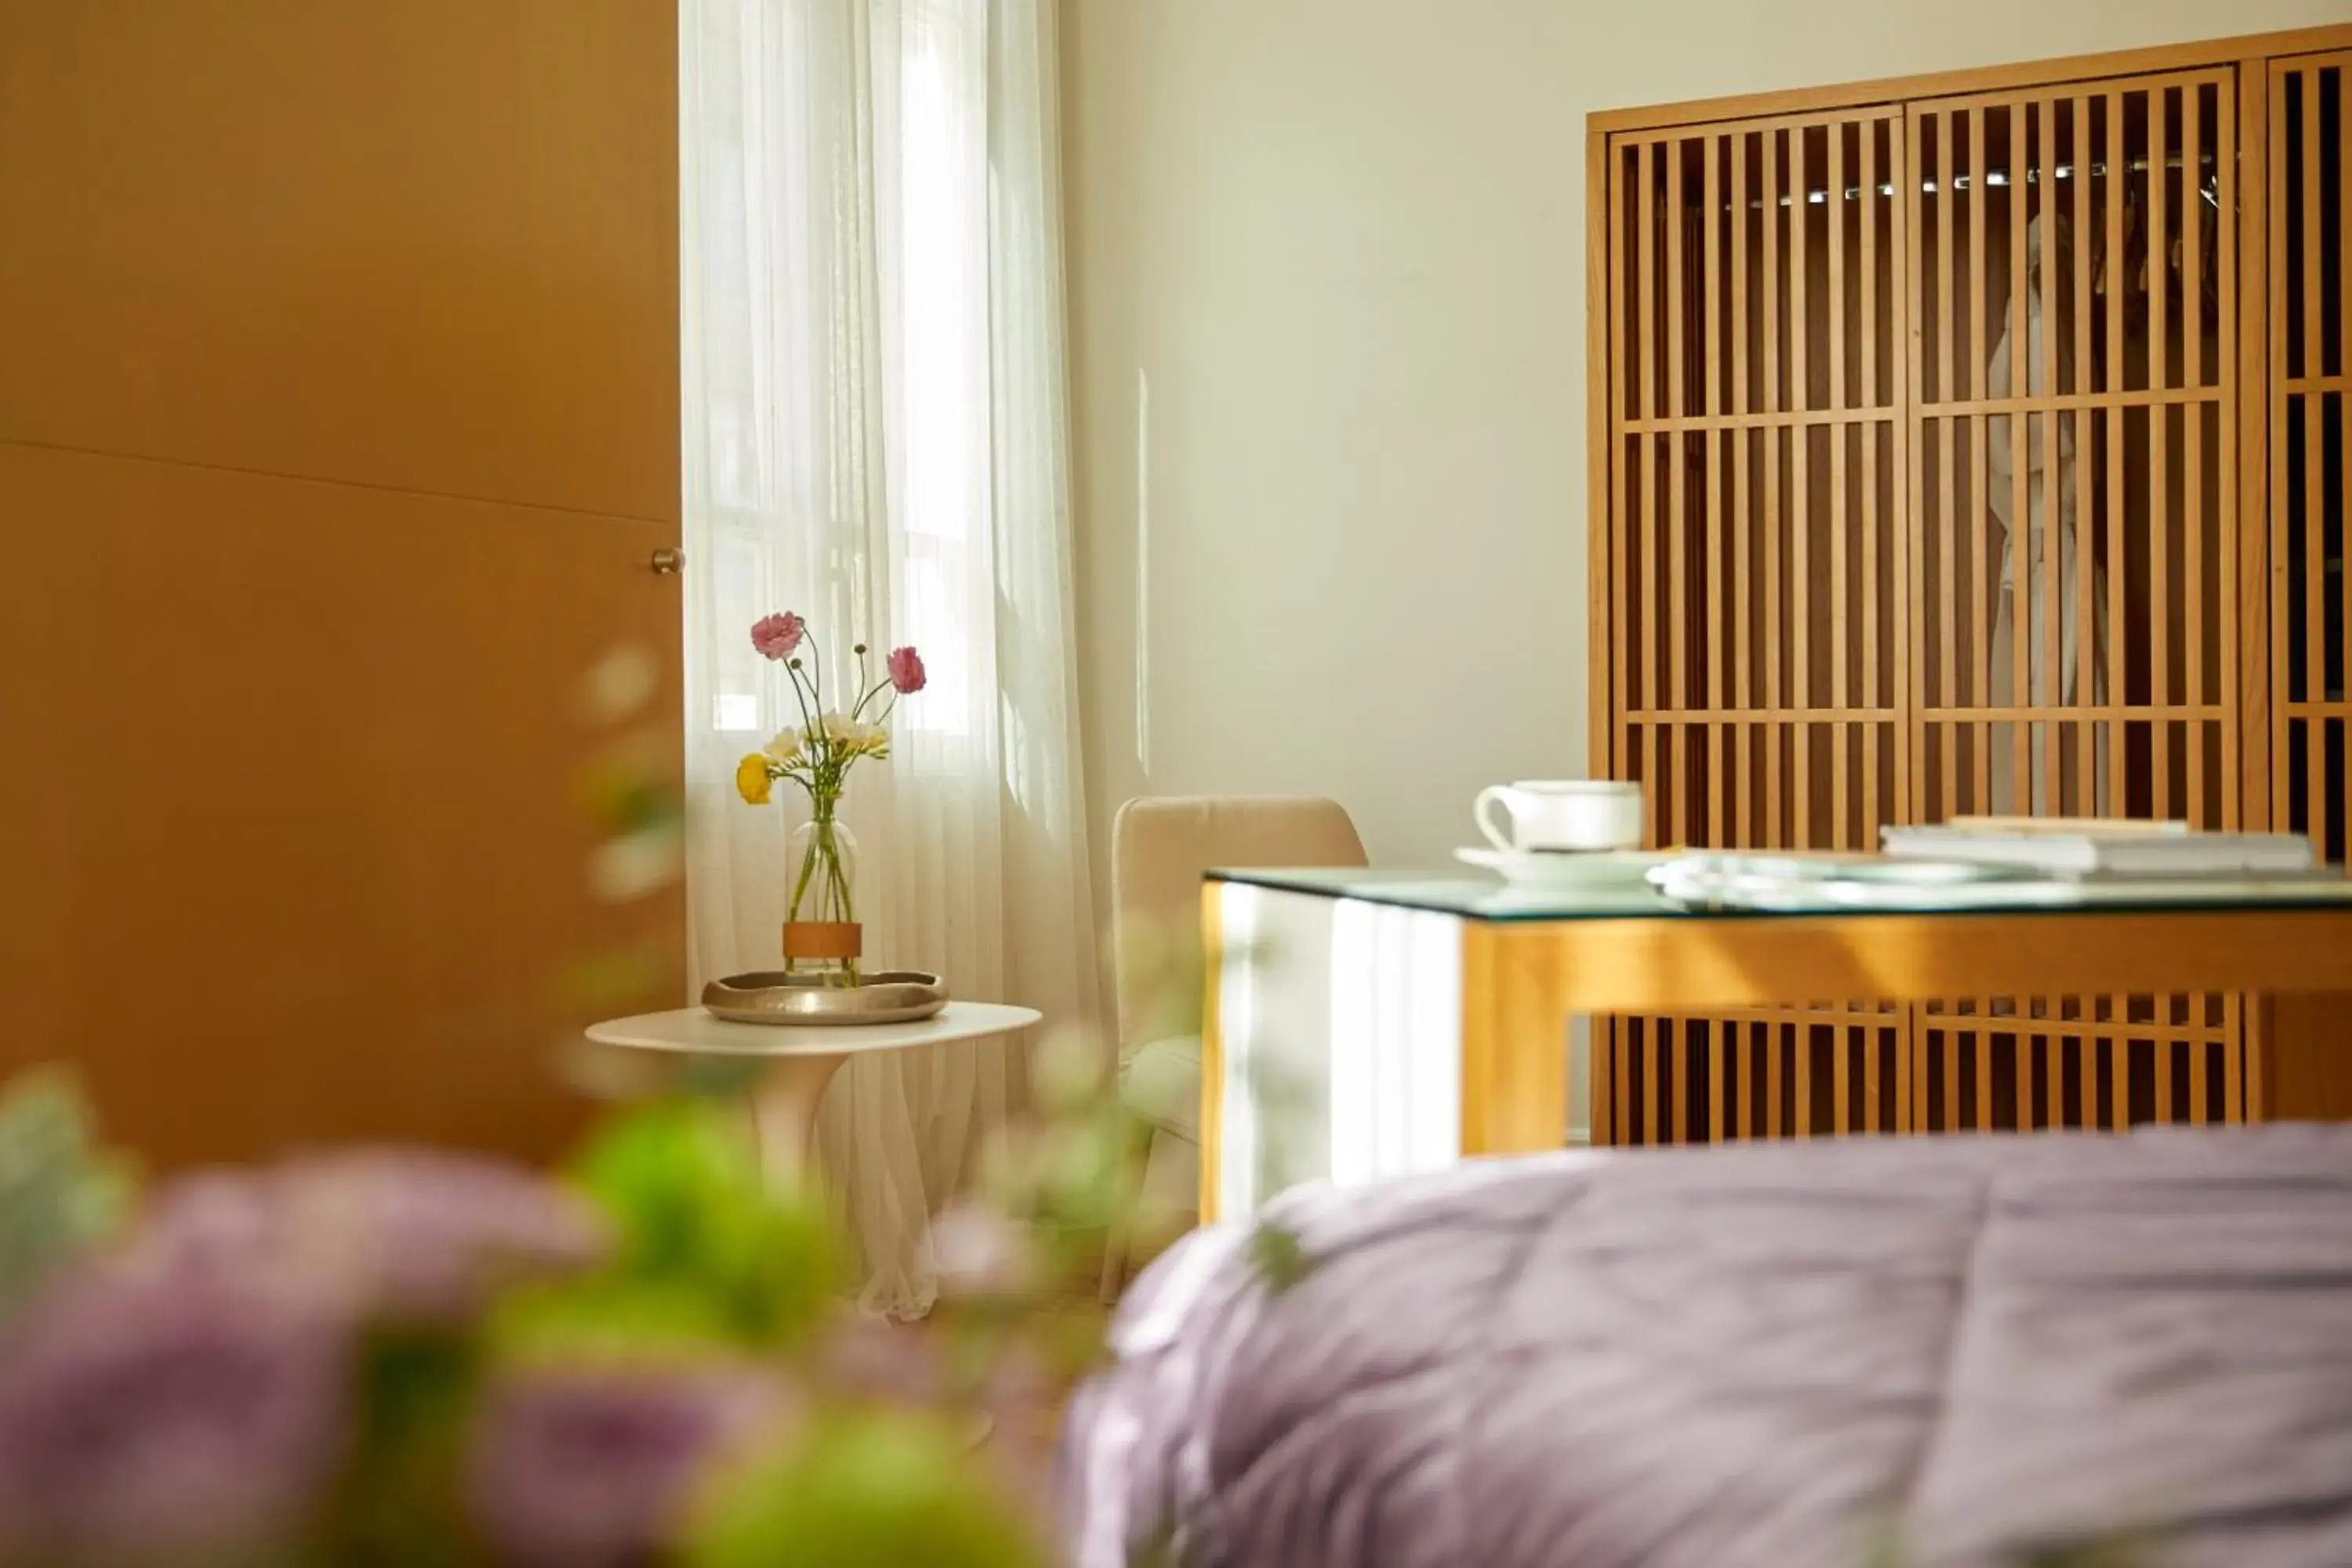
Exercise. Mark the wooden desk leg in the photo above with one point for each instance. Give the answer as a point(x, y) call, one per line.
point(2303, 1066)
point(1515, 1017)
point(1212, 1053)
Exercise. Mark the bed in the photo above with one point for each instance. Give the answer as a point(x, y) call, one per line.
point(1926, 1351)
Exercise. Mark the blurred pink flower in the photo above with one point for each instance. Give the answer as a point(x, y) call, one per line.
point(410, 1235)
point(148, 1416)
point(779, 637)
point(883, 1363)
point(907, 672)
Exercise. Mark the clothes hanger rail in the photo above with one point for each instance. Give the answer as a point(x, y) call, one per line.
point(1997, 178)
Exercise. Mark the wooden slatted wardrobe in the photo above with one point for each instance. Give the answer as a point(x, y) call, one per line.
point(1963, 444)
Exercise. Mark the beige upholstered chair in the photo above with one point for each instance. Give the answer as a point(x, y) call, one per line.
point(1161, 848)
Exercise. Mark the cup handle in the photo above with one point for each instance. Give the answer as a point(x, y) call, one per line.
point(1495, 794)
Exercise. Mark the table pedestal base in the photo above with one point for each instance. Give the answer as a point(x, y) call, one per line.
point(784, 1115)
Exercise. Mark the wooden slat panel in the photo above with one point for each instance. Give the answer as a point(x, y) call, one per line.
point(2160, 376)
point(1983, 1055)
point(1609, 755)
point(1646, 543)
point(1800, 794)
point(1981, 621)
point(1841, 802)
point(2314, 554)
point(2195, 687)
point(2043, 741)
point(1604, 465)
point(1621, 264)
point(2087, 763)
point(2017, 427)
point(1716, 696)
point(1675, 309)
point(2117, 756)
point(2246, 183)
point(1903, 625)
point(2092, 743)
point(2299, 1071)
point(1946, 687)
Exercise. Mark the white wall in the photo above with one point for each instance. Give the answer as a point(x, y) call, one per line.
point(1327, 283)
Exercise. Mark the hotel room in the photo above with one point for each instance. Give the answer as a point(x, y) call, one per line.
point(1257, 783)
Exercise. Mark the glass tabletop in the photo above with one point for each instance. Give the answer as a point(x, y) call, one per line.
point(1472, 896)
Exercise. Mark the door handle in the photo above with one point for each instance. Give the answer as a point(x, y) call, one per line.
point(667, 561)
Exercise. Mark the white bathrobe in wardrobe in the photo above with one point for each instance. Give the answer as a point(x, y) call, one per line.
point(2054, 680)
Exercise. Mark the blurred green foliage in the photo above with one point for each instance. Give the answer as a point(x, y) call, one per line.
point(396, 1503)
point(699, 1222)
point(864, 1490)
point(59, 1195)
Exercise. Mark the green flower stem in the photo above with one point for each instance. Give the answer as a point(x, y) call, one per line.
point(872, 692)
point(800, 888)
point(794, 676)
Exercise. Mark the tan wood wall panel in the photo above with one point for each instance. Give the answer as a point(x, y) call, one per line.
point(304, 855)
point(337, 426)
point(423, 244)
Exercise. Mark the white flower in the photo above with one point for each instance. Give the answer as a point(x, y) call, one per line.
point(785, 749)
point(846, 737)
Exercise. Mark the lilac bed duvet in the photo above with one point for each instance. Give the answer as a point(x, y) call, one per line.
point(1935, 1352)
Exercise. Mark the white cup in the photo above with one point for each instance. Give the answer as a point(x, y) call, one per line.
point(1557, 814)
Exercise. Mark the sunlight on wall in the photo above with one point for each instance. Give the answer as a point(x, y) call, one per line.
point(1143, 571)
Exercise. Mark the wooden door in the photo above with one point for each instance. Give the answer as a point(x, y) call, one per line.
point(338, 428)
point(2074, 569)
point(1756, 307)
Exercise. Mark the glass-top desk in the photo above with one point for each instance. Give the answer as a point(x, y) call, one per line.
point(1367, 1024)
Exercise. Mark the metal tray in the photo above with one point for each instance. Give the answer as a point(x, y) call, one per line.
point(899, 997)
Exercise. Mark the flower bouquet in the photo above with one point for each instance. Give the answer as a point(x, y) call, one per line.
point(416, 1359)
point(821, 928)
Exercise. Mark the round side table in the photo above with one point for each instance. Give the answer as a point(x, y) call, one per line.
point(802, 1060)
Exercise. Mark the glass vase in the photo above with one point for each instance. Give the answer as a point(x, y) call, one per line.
point(821, 936)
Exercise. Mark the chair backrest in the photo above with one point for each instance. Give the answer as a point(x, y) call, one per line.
point(1160, 850)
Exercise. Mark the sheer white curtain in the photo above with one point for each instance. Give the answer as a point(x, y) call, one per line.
point(876, 437)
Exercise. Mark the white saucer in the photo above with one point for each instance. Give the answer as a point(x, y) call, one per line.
point(1604, 868)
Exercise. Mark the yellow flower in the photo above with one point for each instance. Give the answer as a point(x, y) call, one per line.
point(752, 780)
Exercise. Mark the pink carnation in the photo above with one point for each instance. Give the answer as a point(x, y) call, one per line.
point(907, 672)
point(779, 637)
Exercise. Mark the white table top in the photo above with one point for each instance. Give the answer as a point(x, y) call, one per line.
point(693, 1032)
